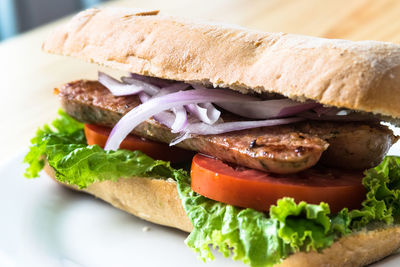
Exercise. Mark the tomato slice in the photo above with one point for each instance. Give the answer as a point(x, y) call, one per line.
point(98, 135)
point(255, 189)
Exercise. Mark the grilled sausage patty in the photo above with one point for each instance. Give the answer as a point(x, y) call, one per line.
point(279, 149)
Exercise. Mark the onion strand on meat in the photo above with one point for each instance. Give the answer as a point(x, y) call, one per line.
point(188, 108)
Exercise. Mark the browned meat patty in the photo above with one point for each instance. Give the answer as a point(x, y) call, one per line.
point(352, 145)
point(278, 149)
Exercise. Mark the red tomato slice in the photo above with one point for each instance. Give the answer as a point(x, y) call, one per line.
point(98, 135)
point(255, 189)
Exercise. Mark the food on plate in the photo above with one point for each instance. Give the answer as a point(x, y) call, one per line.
point(268, 146)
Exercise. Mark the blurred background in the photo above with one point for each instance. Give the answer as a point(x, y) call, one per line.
point(347, 19)
point(17, 16)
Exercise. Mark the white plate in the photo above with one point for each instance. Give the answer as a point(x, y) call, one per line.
point(43, 224)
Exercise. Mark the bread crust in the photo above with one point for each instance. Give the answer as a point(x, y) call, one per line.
point(362, 75)
point(358, 249)
point(153, 200)
point(157, 201)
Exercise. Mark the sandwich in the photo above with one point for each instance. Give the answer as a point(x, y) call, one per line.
point(267, 146)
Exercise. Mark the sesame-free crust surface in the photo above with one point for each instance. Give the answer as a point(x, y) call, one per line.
point(361, 75)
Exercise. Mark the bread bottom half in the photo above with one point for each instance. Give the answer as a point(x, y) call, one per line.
point(157, 201)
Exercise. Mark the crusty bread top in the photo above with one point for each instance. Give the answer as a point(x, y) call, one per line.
point(356, 75)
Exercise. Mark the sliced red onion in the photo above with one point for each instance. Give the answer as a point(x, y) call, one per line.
point(152, 80)
point(265, 109)
point(206, 112)
point(183, 136)
point(199, 86)
point(144, 97)
point(177, 124)
point(163, 117)
point(166, 118)
point(161, 103)
point(125, 79)
point(155, 105)
point(296, 107)
point(205, 129)
point(180, 119)
point(177, 87)
point(268, 108)
point(116, 87)
point(180, 112)
point(172, 88)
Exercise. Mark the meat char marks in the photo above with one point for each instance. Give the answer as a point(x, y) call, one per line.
point(279, 149)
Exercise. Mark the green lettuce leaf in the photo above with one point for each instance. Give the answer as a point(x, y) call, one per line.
point(256, 238)
point(65, 148)
point(303, 226)
point(65, 131)
point(382, 203)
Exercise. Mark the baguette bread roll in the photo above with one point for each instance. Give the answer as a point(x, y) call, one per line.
point(157, 201)
point(362, 75)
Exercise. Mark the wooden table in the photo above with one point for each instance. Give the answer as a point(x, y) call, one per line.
point(27, 75)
